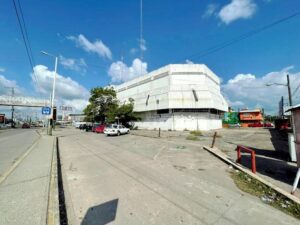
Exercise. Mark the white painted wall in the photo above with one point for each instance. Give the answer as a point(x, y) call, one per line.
point(179, 121)
point(171, 87)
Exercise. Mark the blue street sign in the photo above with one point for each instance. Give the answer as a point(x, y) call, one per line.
point(46, 110)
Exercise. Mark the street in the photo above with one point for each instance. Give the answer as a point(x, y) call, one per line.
point(14, 143)
point(141, 180)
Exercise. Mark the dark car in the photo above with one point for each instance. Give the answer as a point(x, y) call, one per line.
point(82, 126)
point(25, 125)
point(88, 127)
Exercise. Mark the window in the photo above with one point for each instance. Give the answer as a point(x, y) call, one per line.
point(147, 99)
point(162, 111)
point(195, 95)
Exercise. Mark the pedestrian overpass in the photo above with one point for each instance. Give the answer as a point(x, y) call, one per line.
point(6, 100)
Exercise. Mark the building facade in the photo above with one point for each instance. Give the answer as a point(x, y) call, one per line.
point(176, 97)
point(250, 117)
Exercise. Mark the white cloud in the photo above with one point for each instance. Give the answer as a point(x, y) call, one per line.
point(242, 77)
point(143, 45)
point(78, 65)
point(97, 46)
point(76, 104)
point(67, 90)
point(187, 61)
point(133, 50)
point(248, 90)
point(237, 9)
point(210, 10)
point(2, 70)
point(6, 85)
point(120, 72)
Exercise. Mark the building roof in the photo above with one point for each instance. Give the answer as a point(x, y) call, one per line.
point(250, 110)
point(170, 69)
point(293, 108)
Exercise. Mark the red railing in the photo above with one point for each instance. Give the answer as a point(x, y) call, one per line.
point(239, 149)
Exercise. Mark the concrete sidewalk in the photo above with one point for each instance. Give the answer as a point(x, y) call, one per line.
point(24, 188)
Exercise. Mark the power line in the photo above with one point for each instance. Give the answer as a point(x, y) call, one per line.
point(225, 44)
point(295, 91)
point(24, 33)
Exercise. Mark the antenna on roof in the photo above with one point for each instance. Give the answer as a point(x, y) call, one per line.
point(141, 29)
point(141, 35)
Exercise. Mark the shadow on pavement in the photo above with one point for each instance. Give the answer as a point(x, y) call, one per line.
point(101, 214)
point(273, 163)
point(277, 169)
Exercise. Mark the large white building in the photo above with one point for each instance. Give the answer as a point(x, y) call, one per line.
point(176, 97)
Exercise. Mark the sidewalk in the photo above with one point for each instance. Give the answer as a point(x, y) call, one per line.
point(24, 193)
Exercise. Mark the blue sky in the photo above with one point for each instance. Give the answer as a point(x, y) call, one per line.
point(91, 38)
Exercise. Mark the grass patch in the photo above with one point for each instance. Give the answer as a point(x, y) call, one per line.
point(192, 138)
point(196, 133)
point(265, 193)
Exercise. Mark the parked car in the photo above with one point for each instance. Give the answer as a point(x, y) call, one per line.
point(100, 129)
point(78, 124)
point(94, 126)
point(255, 125)
point(267, 124)
point(116, 130)
point(25, 125)
point(82, 126)
point(88, 127)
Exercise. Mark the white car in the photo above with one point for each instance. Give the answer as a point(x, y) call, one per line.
point(116, 130)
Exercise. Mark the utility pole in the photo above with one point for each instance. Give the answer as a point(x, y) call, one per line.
point(289, 90)
point(12, 108)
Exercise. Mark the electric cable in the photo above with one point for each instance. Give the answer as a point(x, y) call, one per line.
point(225, 44)
point(24, 33)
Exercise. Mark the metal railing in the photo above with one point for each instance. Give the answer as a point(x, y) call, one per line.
point(23, 101)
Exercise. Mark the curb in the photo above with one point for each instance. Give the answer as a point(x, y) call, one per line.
point(227, 160)
point(53, 202)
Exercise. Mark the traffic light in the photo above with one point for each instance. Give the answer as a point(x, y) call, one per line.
point(54, 113)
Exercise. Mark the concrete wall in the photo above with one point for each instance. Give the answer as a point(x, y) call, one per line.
point(172, 86)
point(179, 121)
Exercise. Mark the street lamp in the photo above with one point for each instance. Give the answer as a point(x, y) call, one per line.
point(53, 90)
point(287, 85)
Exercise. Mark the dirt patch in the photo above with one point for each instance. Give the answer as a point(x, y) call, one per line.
point(265, 193)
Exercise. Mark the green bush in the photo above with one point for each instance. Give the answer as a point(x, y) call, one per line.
point(192, 138)
point(196, 133)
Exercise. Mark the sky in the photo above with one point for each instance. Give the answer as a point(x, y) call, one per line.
point(98, 43)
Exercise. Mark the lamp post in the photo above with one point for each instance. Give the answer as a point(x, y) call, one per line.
point(53, 90)
point(287, 85)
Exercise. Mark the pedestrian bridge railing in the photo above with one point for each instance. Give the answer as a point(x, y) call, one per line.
point(23, 101)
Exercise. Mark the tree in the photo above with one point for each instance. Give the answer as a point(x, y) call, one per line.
point(101, 100)
point(104, 107)
point(124, 113)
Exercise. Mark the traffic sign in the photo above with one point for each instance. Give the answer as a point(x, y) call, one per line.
point(46, 110)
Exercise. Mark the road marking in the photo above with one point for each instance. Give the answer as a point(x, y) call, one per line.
point(17, 163)
point(158, 153)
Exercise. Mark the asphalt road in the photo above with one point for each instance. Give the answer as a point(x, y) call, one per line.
point(25, 167)
point(13, 144)
point(139, 180)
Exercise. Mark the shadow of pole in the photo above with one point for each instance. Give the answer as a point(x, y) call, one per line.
point(101, 214)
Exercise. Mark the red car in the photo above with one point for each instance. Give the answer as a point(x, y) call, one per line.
point(255, 125)
point(25, 125)
point(100, 129)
